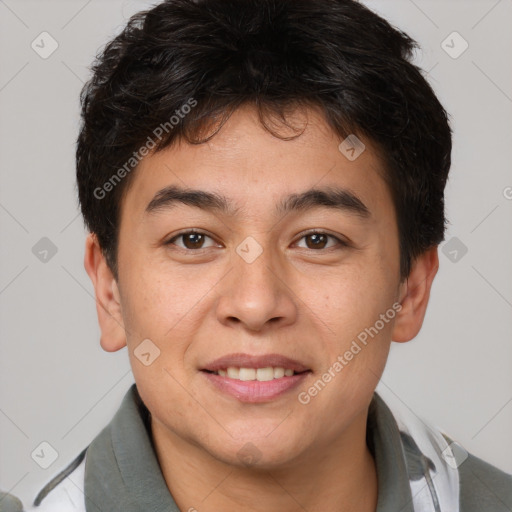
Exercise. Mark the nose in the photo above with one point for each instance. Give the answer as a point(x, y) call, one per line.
point(255, 293)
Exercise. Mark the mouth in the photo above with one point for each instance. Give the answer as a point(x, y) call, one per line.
point(255, 379)
point(260, 374)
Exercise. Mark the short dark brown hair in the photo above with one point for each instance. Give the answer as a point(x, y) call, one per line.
point(216, 55)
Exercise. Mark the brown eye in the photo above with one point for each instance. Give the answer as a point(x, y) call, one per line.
point(191, 240)
point(320, 240)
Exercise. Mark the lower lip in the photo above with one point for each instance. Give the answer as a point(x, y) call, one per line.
point(254, 391)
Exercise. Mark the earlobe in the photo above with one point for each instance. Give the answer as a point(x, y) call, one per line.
point(414, 296)
point(108, 300)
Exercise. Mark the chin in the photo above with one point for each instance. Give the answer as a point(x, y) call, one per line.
point(257, 453)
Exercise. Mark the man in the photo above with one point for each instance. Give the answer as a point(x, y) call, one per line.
point(263, 185)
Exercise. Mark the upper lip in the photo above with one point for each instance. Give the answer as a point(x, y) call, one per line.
point(241, 360)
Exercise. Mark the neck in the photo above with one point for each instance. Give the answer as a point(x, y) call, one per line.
point(339, 475)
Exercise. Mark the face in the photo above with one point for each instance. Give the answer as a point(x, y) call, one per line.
point(265, 277)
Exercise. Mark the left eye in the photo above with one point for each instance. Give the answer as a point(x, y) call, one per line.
point(318, 240)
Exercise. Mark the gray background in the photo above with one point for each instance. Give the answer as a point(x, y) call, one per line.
point(58, 386)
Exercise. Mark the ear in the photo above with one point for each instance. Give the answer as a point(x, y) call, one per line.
point(414, 295)
point(108, 303)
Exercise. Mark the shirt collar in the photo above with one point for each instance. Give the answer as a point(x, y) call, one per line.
point(385, 443)
point(122, 473)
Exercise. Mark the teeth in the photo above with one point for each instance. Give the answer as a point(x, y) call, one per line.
point(233, 372)
point(259, 374)
point(278, 373)
point(247, 374)
point(264, 374)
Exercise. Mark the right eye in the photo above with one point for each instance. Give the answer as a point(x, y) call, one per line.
point(191, 239)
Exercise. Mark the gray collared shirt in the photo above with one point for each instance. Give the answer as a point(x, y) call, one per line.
point(122, 474)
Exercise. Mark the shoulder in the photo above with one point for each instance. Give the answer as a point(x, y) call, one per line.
point(463, 481)
point(65, 492)
point(484, 487)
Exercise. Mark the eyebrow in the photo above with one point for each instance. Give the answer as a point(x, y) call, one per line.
point(330, 197)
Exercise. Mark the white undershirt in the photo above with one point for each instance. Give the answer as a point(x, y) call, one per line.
point(68, 496)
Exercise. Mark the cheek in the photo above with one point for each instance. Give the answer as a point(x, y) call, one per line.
point(160, 302)
point(170, 309)
point(358, 309)
point(354, 300)
point(163, 308)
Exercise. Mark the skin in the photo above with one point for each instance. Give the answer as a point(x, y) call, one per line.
point(295, 299)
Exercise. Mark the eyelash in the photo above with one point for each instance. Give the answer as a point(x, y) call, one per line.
point(340, 243)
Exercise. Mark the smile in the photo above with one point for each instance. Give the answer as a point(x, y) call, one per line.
point(254, 378)
point(260, 374)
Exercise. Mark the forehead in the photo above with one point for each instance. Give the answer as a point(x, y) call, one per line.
point(256, 169)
